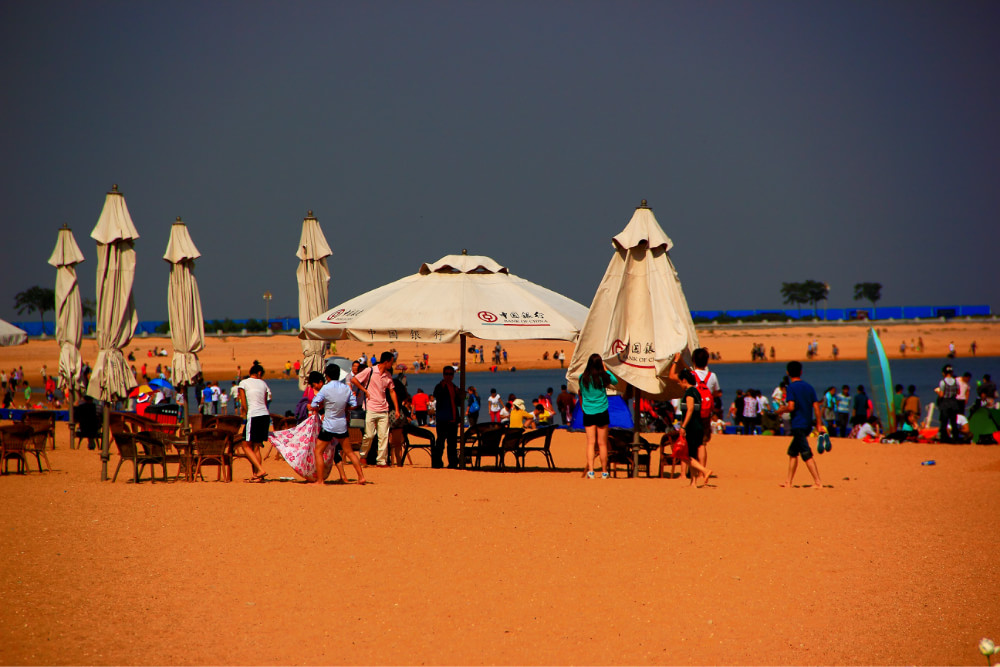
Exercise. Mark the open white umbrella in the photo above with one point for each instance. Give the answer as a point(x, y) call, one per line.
point(187, 325)
point(639, 318)
point(69, 317)
point(454, 297)
point(11, 335)
point(313, 277)
point(116, 317)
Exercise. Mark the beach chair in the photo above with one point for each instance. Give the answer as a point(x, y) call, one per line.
point(411, 437)
point(232, 423)
point(469, 446)
point(530, 443)
point(213, 446)
point(37, 443)
point(13, 443)
point(43, 421)
point(623, 438)
point(510, 444)
point(128, 450)
point(666, 452)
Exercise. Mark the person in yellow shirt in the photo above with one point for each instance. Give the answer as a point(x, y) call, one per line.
point(519, 417)
point(542, 417)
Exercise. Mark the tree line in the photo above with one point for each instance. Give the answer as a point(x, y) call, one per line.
point(813, 291)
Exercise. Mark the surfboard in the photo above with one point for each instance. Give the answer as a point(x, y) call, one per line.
point(881, 382)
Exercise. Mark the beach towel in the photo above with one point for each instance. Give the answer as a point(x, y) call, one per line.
point(296, 445)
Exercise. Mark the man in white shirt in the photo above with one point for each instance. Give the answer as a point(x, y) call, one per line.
point(254, 397)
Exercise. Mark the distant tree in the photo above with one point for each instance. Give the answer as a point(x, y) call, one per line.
point(88, 308)
point(868, 291)
point(815, 292)
point(35, 300)
point(795, 294)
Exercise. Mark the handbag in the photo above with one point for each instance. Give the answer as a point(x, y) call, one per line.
point(679, 448)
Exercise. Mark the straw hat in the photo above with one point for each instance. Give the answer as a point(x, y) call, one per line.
point(519, 404)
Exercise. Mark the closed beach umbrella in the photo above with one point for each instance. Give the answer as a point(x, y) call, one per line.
point(313, 277)
point(69, 316)
point(447, 300)
point(639, 318)
point(11, 335)
point(187, 325)
point(116, 317)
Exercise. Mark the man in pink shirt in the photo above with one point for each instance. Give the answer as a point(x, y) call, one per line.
point(373, 382)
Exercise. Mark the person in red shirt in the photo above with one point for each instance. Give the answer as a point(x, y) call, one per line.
point(420, 406)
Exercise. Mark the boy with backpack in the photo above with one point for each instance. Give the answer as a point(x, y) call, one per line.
point(707, 385)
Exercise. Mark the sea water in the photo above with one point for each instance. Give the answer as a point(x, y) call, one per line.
point(924, 373)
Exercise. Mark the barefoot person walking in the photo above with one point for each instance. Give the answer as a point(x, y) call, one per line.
point(801, 401)
point(254, 397)
point(593, 381)
point(335, 398)
point(692, 426)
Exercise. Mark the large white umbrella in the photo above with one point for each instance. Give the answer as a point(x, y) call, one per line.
point(639, 318)
point(313, 277)
point(11, 335)
point(69, 316)
point(116, 317)
point(187, 325)
point(454, 297)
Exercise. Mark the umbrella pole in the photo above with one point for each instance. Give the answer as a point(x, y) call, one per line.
point(105, 444)
point(635, 432)
point(461, 380)
point(72, 426)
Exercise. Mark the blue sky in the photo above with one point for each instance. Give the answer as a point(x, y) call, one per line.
point(775, 141)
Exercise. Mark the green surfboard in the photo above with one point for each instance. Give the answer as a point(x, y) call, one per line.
point(881, 382)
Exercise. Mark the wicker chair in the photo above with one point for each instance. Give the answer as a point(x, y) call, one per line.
point(213, 446)
point(43, 421)
point(37, 444)
point(472, 441)
point(529, 443)
point(510, 444)
point(128, 450)
point(411, 433)
point(14, 440)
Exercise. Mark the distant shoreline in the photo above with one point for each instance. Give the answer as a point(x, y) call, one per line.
point(224, 355)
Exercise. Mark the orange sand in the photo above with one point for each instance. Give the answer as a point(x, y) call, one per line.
point(895, 564)
point(222, 354)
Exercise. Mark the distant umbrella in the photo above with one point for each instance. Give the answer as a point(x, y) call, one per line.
point(313, 277)
point(69, 316)
point(11, 335)
point(187, 326)
point(116, 317)
point(158, 383)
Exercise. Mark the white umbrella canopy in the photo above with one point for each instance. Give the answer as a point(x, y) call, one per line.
point(639, 318)
point(313, 277)
point(11, 335)
point(69, 311)
point(116, 316)
point(187, 325)
point(457, 295)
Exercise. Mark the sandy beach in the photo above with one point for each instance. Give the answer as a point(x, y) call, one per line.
point(223, 355)
point(892, 563)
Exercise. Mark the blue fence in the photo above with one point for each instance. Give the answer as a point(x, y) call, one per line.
point(831, 314)
point(835, 314)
